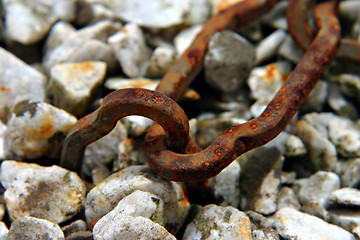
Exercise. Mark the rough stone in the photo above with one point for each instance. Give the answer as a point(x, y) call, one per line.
point(85, 44)
point(130, 49)
point(82, 235)
point(130, 153)
point(292, 224)
point(226, 185)
point(316, 188)
point(2, 140)
point(351, 175)
point(290, 51)
point(294, 147)
point(184, 38)
point(3, 230)
point(33, 25)
point(345, 197)
point(322, 153)
point(51, 193)
point(215, 222)
point(228, 61)
point(161, 60)
point(136, 204)
point(102, 152)
point(345, 134)
point(286, 198)
point(269, 46)
point(105, 196)
point(77, 226)
point(340, 104)
point(73, 85)
point(265, 234)
point(37, 129)
point(14, 73)
point(33, 228)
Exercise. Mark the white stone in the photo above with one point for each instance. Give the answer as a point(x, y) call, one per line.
point(37, 129)
point(2, 141)
point(73, 85)
point(214, 222)
point(294, 147)
point(59, 32)
point(350, 177)
point(349, 197)
point(27, 22)
point(219, 5)
point(317, 188)
point(130, 227)
point(51, 193)
point(161, 60)
point(86, 44)
point(269, 46)
point(3, 230)
point(322, 152)
point(338, 102)
point(292, 224)
point(154, 14)
point(14, 73)
point(130, 49)
point(34, 228)
point(184, 38)
point(136, 204)
point(226, 187)
point(105, 196)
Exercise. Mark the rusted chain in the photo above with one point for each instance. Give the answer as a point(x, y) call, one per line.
point(119, 104)
point(300, 29)
point(256, 132)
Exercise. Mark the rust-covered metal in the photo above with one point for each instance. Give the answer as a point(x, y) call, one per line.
point(119, 104)
point(256, 132)
point(300, 29)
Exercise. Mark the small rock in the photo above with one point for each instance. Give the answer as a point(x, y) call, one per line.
point(3, 230)
point(276, 17)
point(292, 224)
point(318, 187)
point(105, 196)
point(82, 235)
point(294, 147)
point(33, 25)
point(226, 185)
point(137, 125)
point(51, 193)
point(78, 12)
point(320, 122)
point(14, 73)
point(214, 222)
point(349, 84)
point(269, 46)
point(136, 204)
point(345, 197)
point(219, 5)
point(157, 14)
point(37, 129)
point(351, 176)
point(290, 51)
point(228, 61)
point(73, 85)
point(104, 151)
point(130, 227)
point(345, 135)
point(264, 82)
point(161, 60)
point(2, 140)
point(58, 34)
point(130, 49)
point(33, 228)
point(316, 99)
point(322, 153)
point(130, 153)
point(184, 38)
point(287, 199)
point(340, 104)
point(198, 13)
point(77, 226)
point(265, 234)
point(86, 44)
point(260, 179)
point(99, 174)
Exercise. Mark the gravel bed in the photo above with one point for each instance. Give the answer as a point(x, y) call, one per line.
point(58, 59)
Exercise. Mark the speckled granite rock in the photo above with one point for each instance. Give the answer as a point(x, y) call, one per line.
point(36, 129)
point(33, 228)
point(51, 193)
point(105, 196)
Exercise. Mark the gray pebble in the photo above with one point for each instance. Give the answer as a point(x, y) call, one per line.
point(228, 61)
point(269, 46)
point(290, 51)
point(351, 175)
point(340, 104)
point(33, 228)
point(287, 198)
point(77, 226)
